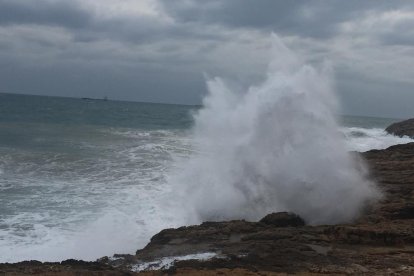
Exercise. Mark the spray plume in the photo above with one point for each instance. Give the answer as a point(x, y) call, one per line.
point(274, 147)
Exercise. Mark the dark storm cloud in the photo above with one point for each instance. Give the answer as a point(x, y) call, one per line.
point(64, 13)
point(86, 26)
point(159, 50)
point(316, 18)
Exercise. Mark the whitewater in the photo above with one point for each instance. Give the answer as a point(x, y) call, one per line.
point(84, 179)
point(274, 147)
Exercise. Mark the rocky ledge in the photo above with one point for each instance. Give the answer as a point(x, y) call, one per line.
point(381, 242)
point(404, 128)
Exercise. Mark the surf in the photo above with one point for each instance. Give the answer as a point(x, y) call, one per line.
point(274, 147)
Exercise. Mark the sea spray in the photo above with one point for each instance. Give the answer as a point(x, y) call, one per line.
point(274, 147)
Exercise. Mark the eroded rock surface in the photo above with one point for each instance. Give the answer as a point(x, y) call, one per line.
point(283, 219)
point(65, 268)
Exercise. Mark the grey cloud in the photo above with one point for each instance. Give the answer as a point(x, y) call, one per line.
point(316, 18)
point(402, 34)
point(145, 57)
point(86, 26)
point(63, 13)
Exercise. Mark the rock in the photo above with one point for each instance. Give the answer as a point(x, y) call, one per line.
point(400, 211)
point(404, 128)
point(65, 268)
point(282, 243)
point(283, 219)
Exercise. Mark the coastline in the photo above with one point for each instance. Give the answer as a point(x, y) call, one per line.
point(379, 242)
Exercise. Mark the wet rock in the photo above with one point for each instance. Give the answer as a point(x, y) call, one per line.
point(400, 211)
point(404, 128)
point(283, 219)
point(65, 268)
point(380, 241)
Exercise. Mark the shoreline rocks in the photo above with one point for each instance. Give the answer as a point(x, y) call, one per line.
point(380, 242)
point(403, 128)
point(283, 219)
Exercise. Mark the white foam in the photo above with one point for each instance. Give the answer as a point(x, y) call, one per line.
point(87, 208)
point(274, 147)
point(167, 262)
point(364, 139)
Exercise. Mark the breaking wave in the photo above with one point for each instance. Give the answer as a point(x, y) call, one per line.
point(274, 147)
point(364, 139)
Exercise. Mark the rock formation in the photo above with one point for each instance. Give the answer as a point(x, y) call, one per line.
point(404, 128)
point(381, 241)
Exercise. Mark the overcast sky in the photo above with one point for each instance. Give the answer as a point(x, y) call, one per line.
point(161, 50)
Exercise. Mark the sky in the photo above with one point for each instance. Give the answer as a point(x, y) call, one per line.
point(163, 50)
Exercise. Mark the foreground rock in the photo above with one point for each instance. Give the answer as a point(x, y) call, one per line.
point(283, 219)
point(404, 128)
point(65, 268)
point(381, 242)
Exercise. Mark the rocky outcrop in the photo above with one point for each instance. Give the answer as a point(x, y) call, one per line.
point(283, 219)
point(380, 242)
point(404, 128)
point(65, 268)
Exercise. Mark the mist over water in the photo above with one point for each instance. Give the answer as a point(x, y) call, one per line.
point(274, 147)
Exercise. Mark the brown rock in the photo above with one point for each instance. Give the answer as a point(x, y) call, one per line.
point(283, 219)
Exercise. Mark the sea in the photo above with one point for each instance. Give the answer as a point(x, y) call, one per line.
point(86, 178)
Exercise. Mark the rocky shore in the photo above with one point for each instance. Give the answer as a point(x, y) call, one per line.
point(404, 128)
point(380, 242)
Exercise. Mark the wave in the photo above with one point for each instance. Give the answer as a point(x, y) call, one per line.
point(364, 139)
point(273, 147)
point(107, 200)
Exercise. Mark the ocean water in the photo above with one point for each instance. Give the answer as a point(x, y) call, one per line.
point(87, 178)
point(366, 133)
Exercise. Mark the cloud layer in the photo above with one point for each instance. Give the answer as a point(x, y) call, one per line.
point(160, 50)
